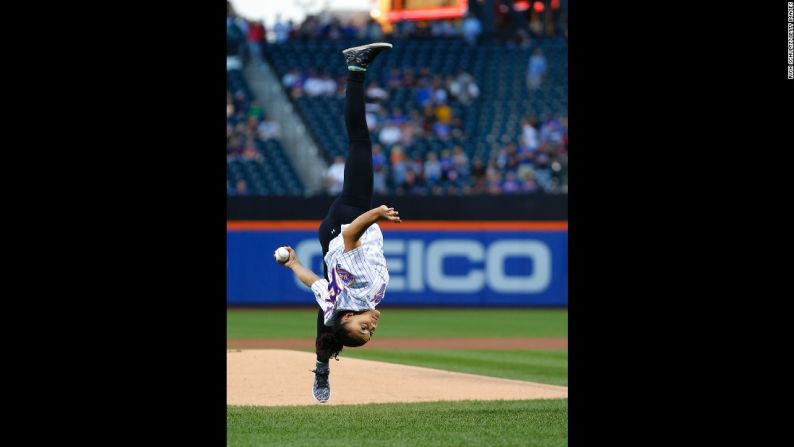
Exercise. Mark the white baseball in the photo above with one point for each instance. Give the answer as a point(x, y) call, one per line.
point(282, 254)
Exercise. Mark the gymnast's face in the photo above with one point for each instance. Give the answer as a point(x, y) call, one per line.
point(361, 327)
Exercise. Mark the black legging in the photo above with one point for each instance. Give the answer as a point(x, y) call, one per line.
point(356, 197)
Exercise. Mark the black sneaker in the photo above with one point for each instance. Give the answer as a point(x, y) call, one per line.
point(321, 388)
point(361, 57)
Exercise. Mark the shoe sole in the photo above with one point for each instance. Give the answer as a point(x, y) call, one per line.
point(322, 401)
point(371, 45)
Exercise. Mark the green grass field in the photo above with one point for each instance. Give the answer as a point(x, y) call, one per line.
point(467, 423)
point(407, 323)
point(535, 366)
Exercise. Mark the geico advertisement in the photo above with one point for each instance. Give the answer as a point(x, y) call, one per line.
point(455, 266)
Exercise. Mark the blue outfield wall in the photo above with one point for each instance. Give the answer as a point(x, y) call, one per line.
point(486, 267)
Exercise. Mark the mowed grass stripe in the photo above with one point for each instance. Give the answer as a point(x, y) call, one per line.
point(407, 323)
point(549, 367)
point(539, 423)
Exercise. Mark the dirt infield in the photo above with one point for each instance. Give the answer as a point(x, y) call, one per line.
point(279, 377)
point(411, 343)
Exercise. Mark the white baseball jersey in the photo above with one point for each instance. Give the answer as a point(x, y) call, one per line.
point(358, 277)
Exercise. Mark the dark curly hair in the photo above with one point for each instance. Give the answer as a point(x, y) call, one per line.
point(331, 343)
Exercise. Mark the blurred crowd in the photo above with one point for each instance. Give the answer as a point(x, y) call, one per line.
point(533, 163)
point(251, 36)
point(327, 27)
point(246, 126)
point(248, 38)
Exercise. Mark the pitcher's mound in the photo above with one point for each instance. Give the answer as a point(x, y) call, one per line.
point(270, 377)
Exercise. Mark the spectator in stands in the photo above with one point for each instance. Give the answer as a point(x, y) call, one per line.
point(398, 166)
point(428, 118)
point(471, 28)
point(457, 128)
point(241, 188)
point(251, 125)
point(452, 190)
point(234, 146)
point(432, 169)
point(282, 30)
point(371, 32)
point(329, 85)
point(240, 128)
point(383, 118)
point(501, 158)
point(510, 184)
point(256, 40)
point(242, 25)
point(379, 169)
point(424, 75)
point(513, 159)
point(291, 79)
point(526, 156)
point(528, 182)
point(526, 163)
point(314, 85)
point(536, 70)
point(268, 129)
point(478, 173)
point(447, 166)
point(372, 117)
point(333, 30)
point(422, 30)
point(443, 113)
point(442, 130)
point(439, 92)
point(394, 79)
point(349, 30)
point(250, 152)
point(416, 122)
point(404, 29)
point(335, 178)
point(544, 179)
point(564, 123)
point(390, 134)
point(235, 37)
point(411, 185)
point(239, 100)
point(529, 135)
point(294, 31)
point(494, 184)
point(524, 42)
point(424, 93)
point(407, 134)
point(443, 28)
point(551, 131)
point(397, 116)
point(375, 93)
point(311, 28)
point(255, 110)
point(341, 82)
point(417, 165)
point(460, 161)
point(409, 81)
point(462, 87)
